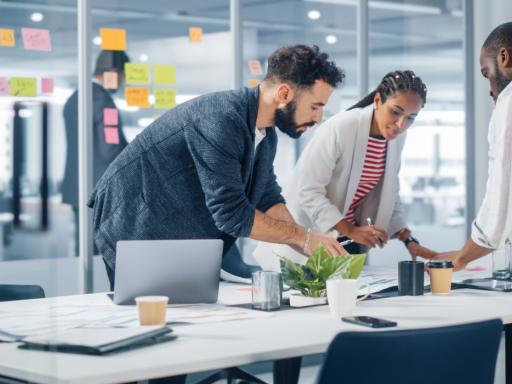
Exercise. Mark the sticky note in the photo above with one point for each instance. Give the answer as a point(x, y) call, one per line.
point(195, 34)
point(253, 83)
point(23, 86)
point(7, 38)
point(137, 97)
point(110, 80)
point(36, 39)
point(111, 135)
point(113, 39)
point(110, 116)
point(4, 86)
point(136, 73)
point(164, 74)
point(46, 85)
point(165, 98)
point(255, 67)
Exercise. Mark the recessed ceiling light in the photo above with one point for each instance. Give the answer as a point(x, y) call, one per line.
point(331, 39)
point(37, 17)
point(96, 40)
point(143, 58)
point(314, 14)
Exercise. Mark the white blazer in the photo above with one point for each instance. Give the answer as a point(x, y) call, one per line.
point(325, 180)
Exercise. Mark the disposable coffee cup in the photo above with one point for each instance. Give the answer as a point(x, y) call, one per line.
point(152, 309)
point(440, 276)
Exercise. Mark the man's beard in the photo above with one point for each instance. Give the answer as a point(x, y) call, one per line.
point(285, 120)
point(501, 80)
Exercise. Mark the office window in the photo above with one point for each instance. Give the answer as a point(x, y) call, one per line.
point(427, 37)
point(38, 65)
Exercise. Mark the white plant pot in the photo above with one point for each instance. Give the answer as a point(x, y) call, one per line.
point(299, 300)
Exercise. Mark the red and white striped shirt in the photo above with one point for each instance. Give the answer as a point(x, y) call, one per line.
point(373, 169)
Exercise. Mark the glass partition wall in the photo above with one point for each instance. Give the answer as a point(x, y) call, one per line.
point(177, 50)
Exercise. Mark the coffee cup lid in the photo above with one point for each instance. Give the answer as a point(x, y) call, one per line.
point(440, 264)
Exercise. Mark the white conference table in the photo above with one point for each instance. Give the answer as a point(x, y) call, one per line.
point(285, 334)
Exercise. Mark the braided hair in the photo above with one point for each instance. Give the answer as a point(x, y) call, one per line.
point(392, 83)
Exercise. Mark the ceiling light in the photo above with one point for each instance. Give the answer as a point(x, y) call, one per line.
point(143, 58)
point(331, 39)
point(314, 14)
point(37, 17)
point(96, 40)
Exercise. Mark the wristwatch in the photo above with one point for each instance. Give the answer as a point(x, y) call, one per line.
point(409, 239)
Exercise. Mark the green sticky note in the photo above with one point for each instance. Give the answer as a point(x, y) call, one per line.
point(165, 98)
point(136, 73)
point(164, 74)
point(24, 86)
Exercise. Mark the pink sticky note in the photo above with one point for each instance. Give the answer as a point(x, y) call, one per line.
point(111, 135)
point(47, 85)
point(4, 86)
point(110, 116)
point(36, 39)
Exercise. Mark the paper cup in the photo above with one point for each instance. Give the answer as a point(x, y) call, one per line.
point(152, 309)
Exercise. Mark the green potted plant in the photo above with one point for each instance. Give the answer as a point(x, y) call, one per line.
point(310, 279)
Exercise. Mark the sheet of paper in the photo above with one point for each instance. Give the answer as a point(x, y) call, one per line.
point(165, 98)
point(7, 38)
point(111, 135)
point(23, 86)
point(136, 73)
point(110, 80)
point(46, 85)
point(113, 39)
point(255, 67)
point(34, 322)
point(110, 117)
point(4, 86)
point(195, 34)
point(164, 74)
point(36, 39)
point(137, 97)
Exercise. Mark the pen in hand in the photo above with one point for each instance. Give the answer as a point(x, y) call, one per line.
point(370, 223)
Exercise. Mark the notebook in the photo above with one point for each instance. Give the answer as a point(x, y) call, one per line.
point(99, 340)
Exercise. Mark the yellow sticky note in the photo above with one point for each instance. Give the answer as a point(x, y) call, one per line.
point(195, 34)
point(23, 86)
point(164, 74)
point(253, 83)
point(137, 97)
point(113, 39)
point(165, 98)
point(7, 38)
point(136, 73)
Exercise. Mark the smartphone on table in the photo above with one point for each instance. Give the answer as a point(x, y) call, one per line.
point(368, 321)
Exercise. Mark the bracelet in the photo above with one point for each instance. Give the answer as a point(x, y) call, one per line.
point(306, 242)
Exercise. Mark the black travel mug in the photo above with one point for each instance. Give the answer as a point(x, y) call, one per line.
point(410, 278)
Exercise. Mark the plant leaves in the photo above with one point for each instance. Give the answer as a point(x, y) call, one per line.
point(310, 279)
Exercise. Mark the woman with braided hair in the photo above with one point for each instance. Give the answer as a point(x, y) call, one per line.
point(346, 180)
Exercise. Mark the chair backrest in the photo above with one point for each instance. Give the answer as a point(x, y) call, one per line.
point(456, 354)
point(10, 292)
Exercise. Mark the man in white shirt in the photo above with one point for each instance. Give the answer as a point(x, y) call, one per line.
point(493, 223)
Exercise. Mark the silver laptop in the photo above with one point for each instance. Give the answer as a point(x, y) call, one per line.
point(188, 271)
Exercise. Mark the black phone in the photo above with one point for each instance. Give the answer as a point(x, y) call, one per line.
point(368, 321)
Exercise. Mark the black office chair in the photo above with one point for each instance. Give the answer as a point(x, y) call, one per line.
point(10, 292)
point(456, 354)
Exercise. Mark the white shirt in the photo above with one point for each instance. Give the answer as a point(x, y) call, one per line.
point(259, 136)
point(493, 223)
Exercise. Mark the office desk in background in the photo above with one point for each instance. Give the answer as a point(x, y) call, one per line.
point(211, 346)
